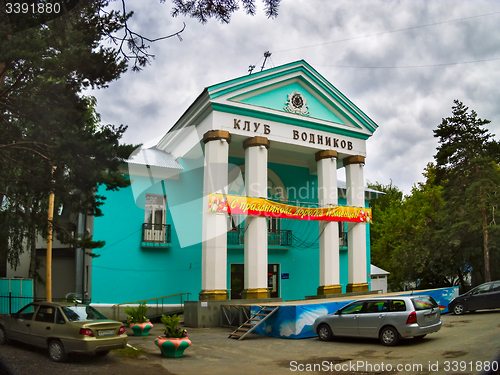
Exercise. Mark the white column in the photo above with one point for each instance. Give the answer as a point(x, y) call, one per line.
point(329, 267)
point(356, 237)
point(256, 226)
point(214, 246)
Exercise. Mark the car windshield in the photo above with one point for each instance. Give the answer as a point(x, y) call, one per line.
point(424, 303)
point(79, 313)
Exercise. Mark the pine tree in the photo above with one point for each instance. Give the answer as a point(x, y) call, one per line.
point(46, 122)
point(467, 168)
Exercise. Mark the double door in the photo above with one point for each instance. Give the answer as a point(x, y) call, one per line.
point(238, 277)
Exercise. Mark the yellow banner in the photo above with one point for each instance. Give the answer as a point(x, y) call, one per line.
point(236, 205)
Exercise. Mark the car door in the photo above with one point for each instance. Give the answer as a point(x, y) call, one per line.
point(42, 325)
point(19, 327)
point(346, 320)
point(397, 315)
point(478, 298)
point(494, 296)
point(372, 318)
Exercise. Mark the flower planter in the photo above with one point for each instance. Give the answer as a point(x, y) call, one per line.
point(141, 329)
point(171, 347)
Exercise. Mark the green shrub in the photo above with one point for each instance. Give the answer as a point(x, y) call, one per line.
point(172, 329)
point(136, 314)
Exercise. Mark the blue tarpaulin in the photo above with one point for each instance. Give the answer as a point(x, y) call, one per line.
point(295, 321)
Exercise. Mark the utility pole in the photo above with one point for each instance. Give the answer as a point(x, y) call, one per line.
point(48, 278)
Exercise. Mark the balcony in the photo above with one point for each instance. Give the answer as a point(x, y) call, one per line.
point(155, 236)
point(281, 239)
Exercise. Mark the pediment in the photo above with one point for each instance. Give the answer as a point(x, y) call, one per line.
point(293, 93)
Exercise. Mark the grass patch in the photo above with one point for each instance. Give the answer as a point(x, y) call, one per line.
point(128, 352)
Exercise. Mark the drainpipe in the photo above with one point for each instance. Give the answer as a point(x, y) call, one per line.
point(80, 259)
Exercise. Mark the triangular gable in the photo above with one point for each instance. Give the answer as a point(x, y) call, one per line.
point(267, 95)
point(273, 98)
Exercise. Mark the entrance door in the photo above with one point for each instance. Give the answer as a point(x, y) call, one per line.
point(238, 277)
point(273, 273)
point(237, 280)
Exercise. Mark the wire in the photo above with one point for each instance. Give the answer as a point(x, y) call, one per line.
point(140, 270)
point(117, 242)
point(408, 66)
point(387, 32)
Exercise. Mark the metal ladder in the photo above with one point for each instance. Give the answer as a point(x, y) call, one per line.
point(254, 321)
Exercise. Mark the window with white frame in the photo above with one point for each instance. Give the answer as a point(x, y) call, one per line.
point(155, 218)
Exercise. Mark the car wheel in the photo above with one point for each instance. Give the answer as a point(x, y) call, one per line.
point(420, 337)
point(3, 336)
point(459, 309)
point(102, 354)
point(389, 336)
point(325, 332)
point(56, 351)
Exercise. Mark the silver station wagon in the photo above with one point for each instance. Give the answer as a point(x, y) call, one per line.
point(388, 318)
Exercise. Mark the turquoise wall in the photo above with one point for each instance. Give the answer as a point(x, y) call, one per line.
point(124, 272)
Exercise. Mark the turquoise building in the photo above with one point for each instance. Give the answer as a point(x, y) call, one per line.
point(281, 134)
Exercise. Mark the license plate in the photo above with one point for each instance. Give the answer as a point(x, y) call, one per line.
point(106, 332)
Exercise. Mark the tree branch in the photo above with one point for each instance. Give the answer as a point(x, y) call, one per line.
point(135, 43)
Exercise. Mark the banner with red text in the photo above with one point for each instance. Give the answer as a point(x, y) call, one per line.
point(237, 205)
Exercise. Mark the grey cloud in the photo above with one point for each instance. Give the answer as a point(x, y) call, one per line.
point(406, 103)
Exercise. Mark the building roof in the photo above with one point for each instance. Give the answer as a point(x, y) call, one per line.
point(342, 185)
point(374, 270)
point(153, 157)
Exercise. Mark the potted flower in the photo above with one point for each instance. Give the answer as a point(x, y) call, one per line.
point(175, 339)
point(137, 319)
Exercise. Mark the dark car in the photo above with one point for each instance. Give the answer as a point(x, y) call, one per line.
point(63, 328)
point(387, 318)
point(482, 297)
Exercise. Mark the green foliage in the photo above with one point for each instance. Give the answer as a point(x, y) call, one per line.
point(203, 10)
point(136, 314)
point(172, 329)
point(445, 228)
point(407, 232)
point(380, 256)
point(46, 122)
point(467, 168)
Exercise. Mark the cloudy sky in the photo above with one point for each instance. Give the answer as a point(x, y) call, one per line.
point(401, 62)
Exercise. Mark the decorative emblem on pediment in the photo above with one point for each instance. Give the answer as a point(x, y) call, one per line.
point(297, 104)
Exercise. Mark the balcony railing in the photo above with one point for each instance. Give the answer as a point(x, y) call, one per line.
point(156, 233)
point(279, 238)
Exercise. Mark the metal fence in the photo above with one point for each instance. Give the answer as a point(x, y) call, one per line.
point(158, 306)
point(278, 238)
point(156, 233)
point(11, 303)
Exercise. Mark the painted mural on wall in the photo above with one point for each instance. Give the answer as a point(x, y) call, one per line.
point(222, 203)
point(295, 322)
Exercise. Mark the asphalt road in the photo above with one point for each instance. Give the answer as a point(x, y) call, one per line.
point(464, 345)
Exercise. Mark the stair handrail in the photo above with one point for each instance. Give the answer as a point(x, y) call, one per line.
point(116, 307)
point(274, 309)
